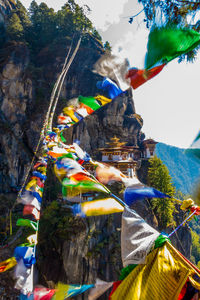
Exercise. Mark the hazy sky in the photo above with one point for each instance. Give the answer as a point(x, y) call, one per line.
point(169, 103)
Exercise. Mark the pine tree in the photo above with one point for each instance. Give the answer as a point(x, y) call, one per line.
point(14, 28)
point(159, 178)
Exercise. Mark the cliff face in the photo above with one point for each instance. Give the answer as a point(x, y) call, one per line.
point(93, 248)
point(5, 8)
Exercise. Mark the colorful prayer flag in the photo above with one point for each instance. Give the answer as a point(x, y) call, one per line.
point(109, 86)
point(99, 289)
point(67, 167)
point(97, 208)
point(167, 43)
point(27, 254)
point(162, 277)
point(27, 198)
point(28, 223)
point(76, 289)
point(81, 183)
point(7, 264)
point(138, 77)
point(90, 102)
point(24, 278)
point(105, 173)
point(32, 239)
point(42, 293)
point(137, 238)
point(31, 210)
point(133, 194)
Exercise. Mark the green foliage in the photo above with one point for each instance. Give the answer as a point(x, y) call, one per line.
point(57, 225)
point(41, 26)
point(195, 247)
point(159, 178)
point(14, 28)
point(107, 46)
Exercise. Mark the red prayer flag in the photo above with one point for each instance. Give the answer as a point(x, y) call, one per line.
point(31, 210)
point(41, 293)
point(115, 286)
point(81, 177)
point(138, 77)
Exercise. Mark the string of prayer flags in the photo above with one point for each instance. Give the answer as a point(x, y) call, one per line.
point(97, 208)
point(7, 264)
point(110, 87)
point(90, 102)
point(133, 194)
point(194, 149)
point(74, 113)
point(138, 77)
point(27, 223)
point(137, 238)
point(167, 43)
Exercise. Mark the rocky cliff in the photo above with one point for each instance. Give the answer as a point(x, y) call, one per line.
point(87, 248)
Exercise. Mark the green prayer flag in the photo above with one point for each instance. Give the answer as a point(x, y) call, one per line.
point(89, 101)
point(167, 43)
point(28, 223)
point(62, 138)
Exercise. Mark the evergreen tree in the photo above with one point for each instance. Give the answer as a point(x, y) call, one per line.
point(195, 247)
point(159, 178)
point(14, 28)
point(107, 46)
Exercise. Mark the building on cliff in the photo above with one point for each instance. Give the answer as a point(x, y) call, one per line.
point(123, 157)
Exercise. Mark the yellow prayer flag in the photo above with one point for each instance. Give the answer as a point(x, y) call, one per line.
point(162, 277)
point(7, 264)
point(103, 99)
point(61, 291)
point(101, 207)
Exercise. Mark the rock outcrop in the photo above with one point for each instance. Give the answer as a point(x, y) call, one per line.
point(6, 7)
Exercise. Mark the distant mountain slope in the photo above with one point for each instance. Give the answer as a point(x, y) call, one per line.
point(185, 171)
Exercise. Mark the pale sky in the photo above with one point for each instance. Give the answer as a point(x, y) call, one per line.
point(169, 104)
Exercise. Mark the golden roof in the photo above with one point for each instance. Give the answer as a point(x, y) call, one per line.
point(114, 143)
